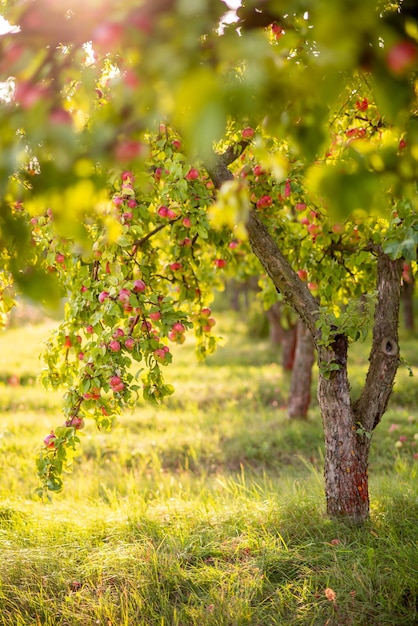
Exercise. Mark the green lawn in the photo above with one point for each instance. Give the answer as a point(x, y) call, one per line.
point(206, 511)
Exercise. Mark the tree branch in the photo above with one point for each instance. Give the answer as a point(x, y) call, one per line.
point(283, 276)
point(384, 353)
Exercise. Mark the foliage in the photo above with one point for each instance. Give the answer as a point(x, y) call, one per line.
point(114, 120)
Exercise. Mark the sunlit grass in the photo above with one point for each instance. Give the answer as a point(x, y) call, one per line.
point(209, 510)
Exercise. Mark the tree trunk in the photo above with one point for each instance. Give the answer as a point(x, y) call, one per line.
point(346, 445)
point(300, 385)
point(348, 425)
point(281, 336)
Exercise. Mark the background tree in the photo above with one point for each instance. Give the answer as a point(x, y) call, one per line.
point(303, 119)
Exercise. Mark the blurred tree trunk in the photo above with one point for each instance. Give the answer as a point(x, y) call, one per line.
point(300, 386)
point(281, 335)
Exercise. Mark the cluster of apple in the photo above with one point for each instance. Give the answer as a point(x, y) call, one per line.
point(125, 200)
point(205, 321)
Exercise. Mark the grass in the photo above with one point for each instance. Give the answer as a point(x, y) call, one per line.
point(206, 511)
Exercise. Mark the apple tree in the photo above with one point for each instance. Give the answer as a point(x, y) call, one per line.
point(147, 149)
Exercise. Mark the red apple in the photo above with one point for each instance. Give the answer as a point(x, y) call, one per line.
point(75, 421)
point(130, 343)
point(192, 174)
point(402, 57)
point(162, 211)
point(139, 286)
point(114, 345)
point(50, 439)
point(247, 133)
point(103, 296)
point(124, 295)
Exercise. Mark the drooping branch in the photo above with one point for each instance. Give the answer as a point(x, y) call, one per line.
point(384, 353)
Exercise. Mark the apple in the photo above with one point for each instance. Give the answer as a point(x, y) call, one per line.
point(258, 170)
point(128, 177)
point(171, 214)
point(402, 57)
point(247, 133)
point(172, 335)
point(116, 383)
point(178, 327)
point(146, 326)
point(103, 296)
point(313, 229)
point(114, 345)
point(94, 394)
point(59, 258)
point(362, 105)
point(139, 286)
point(220, 263)
point(75, 421)
point(160, 355)
point(130, 343)
point(176, 266)
point(303, 274)
point(50, 439)
point(264, 201)
point(176, 143)
point(90, 329)
point(155, 316)
point(300, 206)
point(124, 295)
point(67, 342)
point(192, 174)
point(206, 312)
point(162, 211)
point(187, 222)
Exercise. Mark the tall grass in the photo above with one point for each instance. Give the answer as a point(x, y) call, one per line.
point(206, 511)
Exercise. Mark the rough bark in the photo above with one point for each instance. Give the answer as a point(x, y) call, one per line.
point(301, 381)
point(346, 451)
